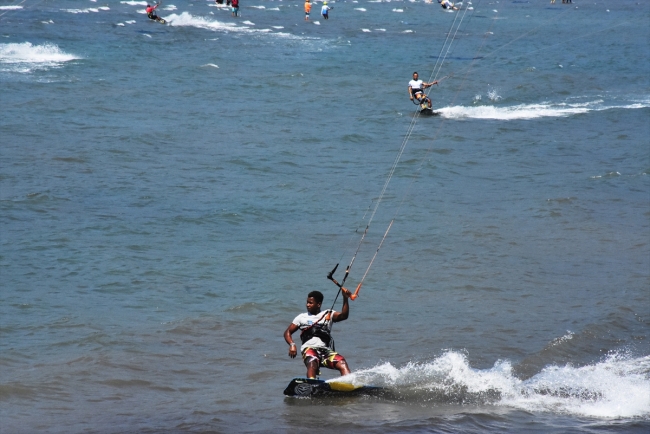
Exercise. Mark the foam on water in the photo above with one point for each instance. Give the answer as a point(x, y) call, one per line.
point(10, 8)
point(618, 386)
point(25, 57)
point(186, 19)
point(81, 11)
point(529, 111)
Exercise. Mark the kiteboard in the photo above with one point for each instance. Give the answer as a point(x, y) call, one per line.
point(429, 112)
point(307, 387)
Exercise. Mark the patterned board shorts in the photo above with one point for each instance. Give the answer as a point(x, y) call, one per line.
point(325, 357)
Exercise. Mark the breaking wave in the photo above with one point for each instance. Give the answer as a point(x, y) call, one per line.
point(25, 57)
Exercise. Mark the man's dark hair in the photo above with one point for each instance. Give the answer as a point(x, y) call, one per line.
point(316, 295)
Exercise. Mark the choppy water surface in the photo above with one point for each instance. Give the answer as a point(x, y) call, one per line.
point(169, 195)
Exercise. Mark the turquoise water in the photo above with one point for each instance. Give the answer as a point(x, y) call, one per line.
point(169, 195)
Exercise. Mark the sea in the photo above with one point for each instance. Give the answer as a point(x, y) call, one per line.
point(170, 194)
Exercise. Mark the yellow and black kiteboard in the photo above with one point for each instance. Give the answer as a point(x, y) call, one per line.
point(307, 387)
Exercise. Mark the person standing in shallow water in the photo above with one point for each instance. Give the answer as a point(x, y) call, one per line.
point(235, 8)
point(325, 11)
point(307, 9)
point(317, 344)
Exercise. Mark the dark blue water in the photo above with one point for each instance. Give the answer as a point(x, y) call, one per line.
point(169, 194)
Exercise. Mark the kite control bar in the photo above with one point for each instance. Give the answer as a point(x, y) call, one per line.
point(330, 276)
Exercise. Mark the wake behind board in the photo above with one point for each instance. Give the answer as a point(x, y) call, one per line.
point(306, 387)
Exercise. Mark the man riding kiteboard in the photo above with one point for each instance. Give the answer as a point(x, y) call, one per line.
point(317, 344)
point(416, 91)
point(152, 14)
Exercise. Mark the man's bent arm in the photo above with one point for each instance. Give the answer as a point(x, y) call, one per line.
point(345, 311)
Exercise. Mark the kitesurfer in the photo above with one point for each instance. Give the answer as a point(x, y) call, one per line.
point(447, 4)
point(317, 344)
point(325, 11)
point(307, 9)
point(416, 90)
point(150, 12)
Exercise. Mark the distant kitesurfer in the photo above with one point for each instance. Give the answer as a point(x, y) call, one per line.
point(235, 7)
point(416, 90)
point(307, 9)
point(150, 12)
point(325, 11)
point(317, 344)
point(447, 4)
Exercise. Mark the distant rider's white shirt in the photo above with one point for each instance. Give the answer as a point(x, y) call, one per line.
point(305, 320)
point(416, 85)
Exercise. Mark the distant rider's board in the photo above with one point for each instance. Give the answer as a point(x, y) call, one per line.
point(429, 112)
point(306, 387)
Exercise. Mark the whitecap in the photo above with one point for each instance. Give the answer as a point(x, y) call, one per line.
point(365, 30)
point(398, 10)
point(360, 9)
point(212, 65)
point(10, 8)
